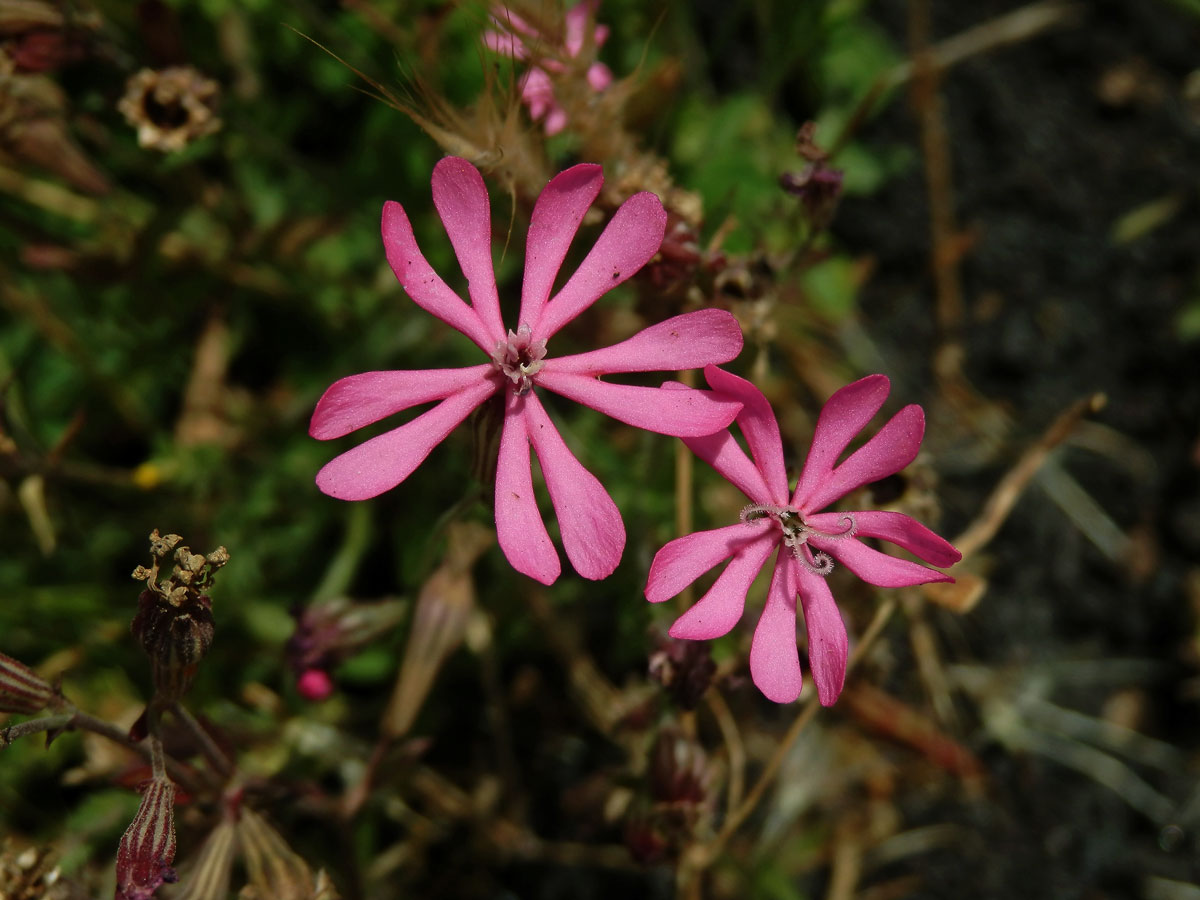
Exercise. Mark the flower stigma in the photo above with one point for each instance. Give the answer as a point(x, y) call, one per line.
point(520, 358)
point(796, 532)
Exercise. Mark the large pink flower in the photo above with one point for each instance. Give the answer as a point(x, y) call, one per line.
point(807, 539)
point(516, 37)
point(517, 362)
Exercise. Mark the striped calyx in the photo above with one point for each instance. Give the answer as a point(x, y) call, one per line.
point(148, 846)
point(22, 690)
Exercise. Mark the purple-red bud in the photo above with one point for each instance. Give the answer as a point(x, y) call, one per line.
point(148, 845)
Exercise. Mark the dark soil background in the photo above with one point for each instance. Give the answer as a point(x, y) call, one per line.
point(1052, 142)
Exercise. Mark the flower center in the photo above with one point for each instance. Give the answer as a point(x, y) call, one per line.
point(520, 358)
point(796, 532)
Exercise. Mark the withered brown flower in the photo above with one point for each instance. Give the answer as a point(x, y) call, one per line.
point(170, 107)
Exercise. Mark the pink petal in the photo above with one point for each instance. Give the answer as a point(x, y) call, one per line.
point(556, 119)
point(715, 614)
point(599, 76)
point(504, 43)
point(680, 413)
point(827, 641)
point(687, 341)
point(557, 213)
point(386, 460)
point(686, 558)
point(724, 454)
point(424, 285)
point(874, 567)
point(576, 21)
point(592, 531)
point(519, 526)
point(844, 415)
point(758, 425)
point(774, 658)
point(462, 203)
point(889, 451)
point(630, 239)
point(505, 17)
point(358, 400)
point(537, 92)
point(898, 528)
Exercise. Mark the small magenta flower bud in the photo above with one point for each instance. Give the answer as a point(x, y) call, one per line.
point(148, 845)
point(22, 690)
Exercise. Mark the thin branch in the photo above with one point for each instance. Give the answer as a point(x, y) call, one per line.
point(81, 721)
point(733, 747)
point(215, 755)
point(14, 733)
point(1005, 494)
point(708, 852)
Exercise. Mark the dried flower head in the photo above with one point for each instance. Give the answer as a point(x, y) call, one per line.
point(170, 108)
point(174, 621)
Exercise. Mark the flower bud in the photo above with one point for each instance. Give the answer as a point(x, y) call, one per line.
point(684, 668)
point(332, 630)
point(148, 845)
point(22, 690)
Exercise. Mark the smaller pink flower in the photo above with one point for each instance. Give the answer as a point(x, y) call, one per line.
point(808, 540)
point(516, 37)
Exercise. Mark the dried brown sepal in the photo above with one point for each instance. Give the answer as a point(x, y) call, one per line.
point(275, 870)
point(440, 619)
point(170, 108)
point(148, 846)
point(208, 875)
point(22, 690)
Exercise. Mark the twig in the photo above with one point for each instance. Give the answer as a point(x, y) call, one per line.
point(935, 150)
point(1004, 495)
point(215, 755)
point(81, 721)
point(14, 733)
point(709, 851)
point(733, 746)
point(684, 517)
point(1010, 28)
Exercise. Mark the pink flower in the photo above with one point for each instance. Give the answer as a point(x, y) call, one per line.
point(808, 540)
point(517, 361)
point(516, 36)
